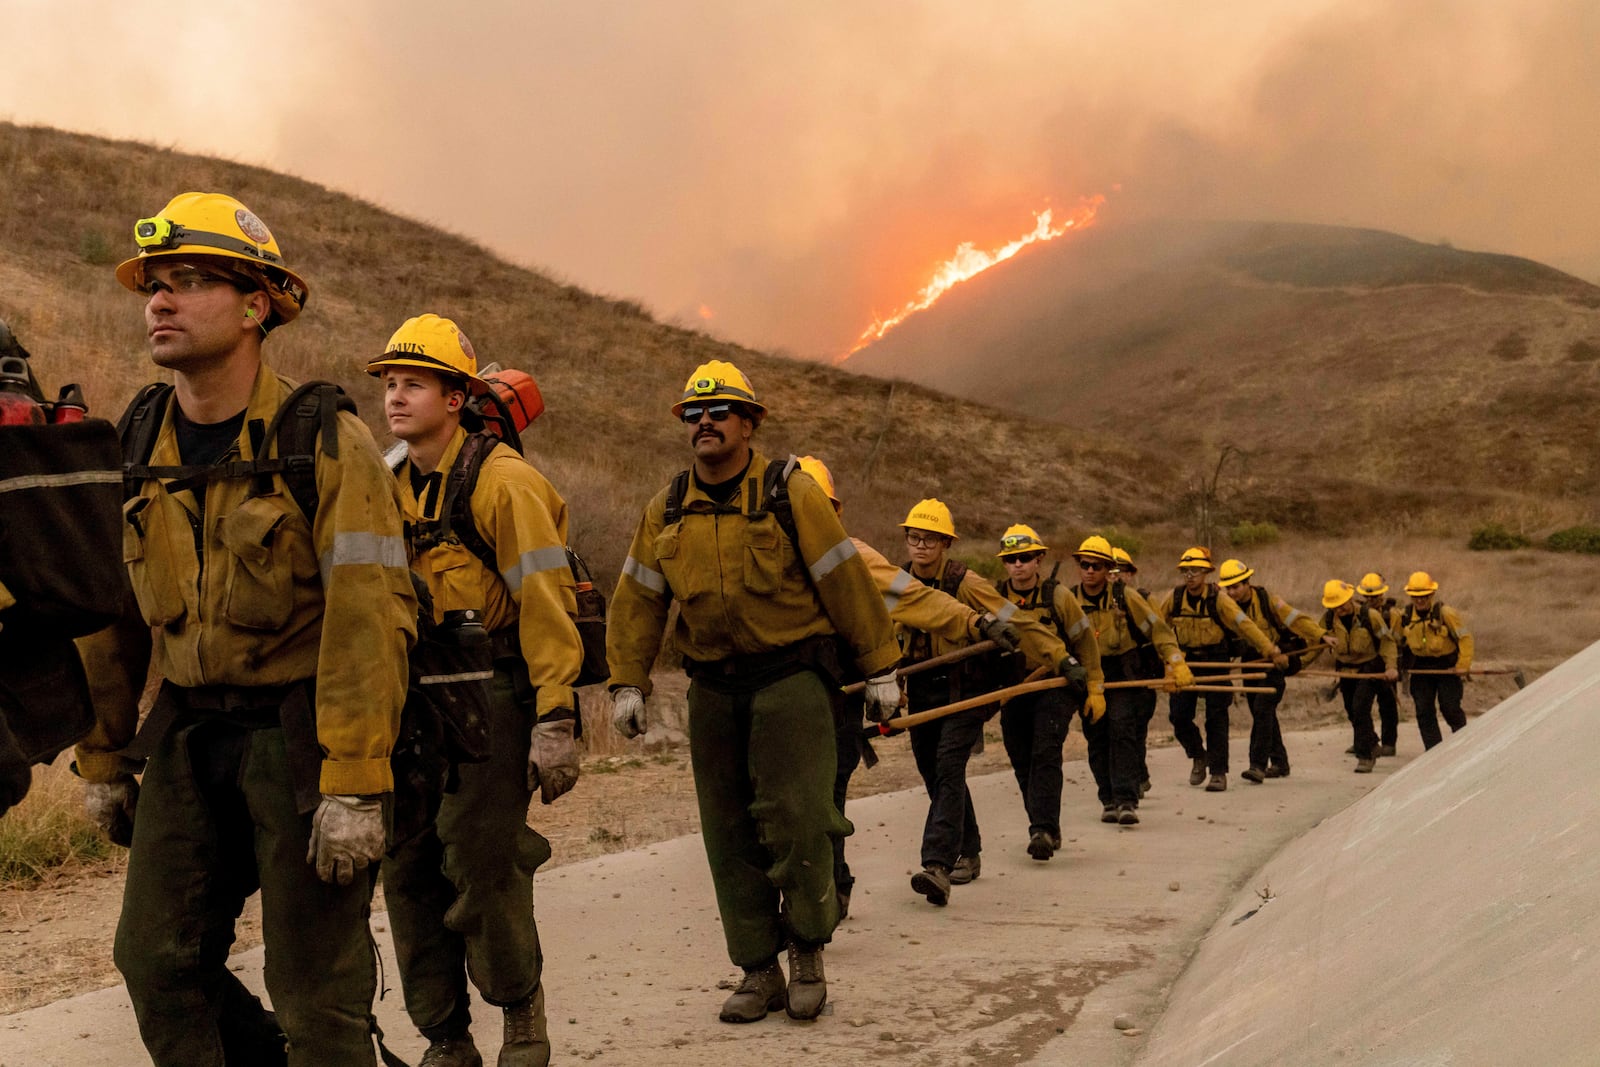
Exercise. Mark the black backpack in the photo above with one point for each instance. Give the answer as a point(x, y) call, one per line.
point(773, 498)
point(1288, 642)
point(455, 523)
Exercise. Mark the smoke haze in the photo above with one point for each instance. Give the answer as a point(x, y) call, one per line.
point(789, 169)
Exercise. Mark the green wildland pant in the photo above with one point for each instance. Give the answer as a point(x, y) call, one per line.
point(764, 764)
point(460, 895)
point(216, 821)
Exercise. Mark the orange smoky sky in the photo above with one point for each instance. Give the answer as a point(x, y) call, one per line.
point(801, 166)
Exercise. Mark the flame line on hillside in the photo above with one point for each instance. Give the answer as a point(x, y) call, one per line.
point(968, 262)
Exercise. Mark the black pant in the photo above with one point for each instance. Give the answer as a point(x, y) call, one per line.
point(1358, 694)
point(1443, 690)
point(942, 748)
point(1266, 735)
point(1116, 754)
point(1034, 727)
point(1388, 697)
point(847, 725)
point(1181, 712)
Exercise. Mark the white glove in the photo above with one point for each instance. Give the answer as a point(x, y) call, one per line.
point(627, 711)
point(552, 759)
point(883, 697)
point(346, 837)
point(110, 806)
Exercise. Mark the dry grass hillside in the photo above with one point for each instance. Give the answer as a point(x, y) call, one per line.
point(608, 371)
point(1364, 375)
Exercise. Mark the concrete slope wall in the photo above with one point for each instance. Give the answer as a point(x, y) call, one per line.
point(1451, 917)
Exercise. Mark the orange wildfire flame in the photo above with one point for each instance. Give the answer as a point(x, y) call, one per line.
point(969, 262)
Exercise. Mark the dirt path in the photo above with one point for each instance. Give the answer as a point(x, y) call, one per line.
point(1031, 963)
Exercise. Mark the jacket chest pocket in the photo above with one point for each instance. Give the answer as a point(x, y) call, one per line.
point(455, 578)
point(763, 559)
point(155, 538)
point(675, 565)
point(260, 580)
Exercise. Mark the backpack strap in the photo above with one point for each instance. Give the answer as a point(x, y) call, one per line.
point(675, 491)
point(455, 521)
point(954, 572)
point(1120, 595)
point(137, 429)
point(775, 498)
point(1264, 599)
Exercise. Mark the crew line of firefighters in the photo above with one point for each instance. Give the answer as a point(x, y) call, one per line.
point(277, 563)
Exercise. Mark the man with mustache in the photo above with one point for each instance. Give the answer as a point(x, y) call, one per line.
point(771, 592)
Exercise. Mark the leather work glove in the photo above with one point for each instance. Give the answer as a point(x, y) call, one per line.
point(1094, 706)
point(346, 837)
point(1279, 660)
point(883, 697)
point(1391, 675)
point(1077, 678)
point(110, 806)
point(627, 711)
point(1003, 634)
point(1182, 676)
point(552, 758)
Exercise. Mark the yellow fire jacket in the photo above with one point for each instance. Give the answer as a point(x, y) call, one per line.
point(1113, 628)
point(1292, 619)
point(741, 585)
point(524, 520)
point(1429, 635)
point(1067, 615)
point(1194, 627)
point(917, 606)
point(1356, 644)
point(1040, 645)
point(246, 593)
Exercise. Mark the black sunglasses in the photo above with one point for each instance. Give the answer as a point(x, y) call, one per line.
point(1024, 557)
point(1093, 565)
point(718, 413)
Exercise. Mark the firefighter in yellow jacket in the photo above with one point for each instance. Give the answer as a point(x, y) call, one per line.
point(909, 603)
point(1271, 615)
point(280, 611)
point(771, 594)
point(460, 894)
point(1434, 637)
point(1205, 624)
point(1362, 644)
point(1373, 592)
point(1034, 725)
point(1135, 645)
point(952, 843)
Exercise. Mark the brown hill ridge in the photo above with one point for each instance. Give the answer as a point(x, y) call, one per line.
point(608, 371)
point(1362, 374)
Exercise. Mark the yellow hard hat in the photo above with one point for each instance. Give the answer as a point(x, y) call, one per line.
point(217, 226)
point(1123, 561)
point(932, 515)
point(719, 380)
point(1372, 584)
point(1335, 592)
point(432, 343)
point(1196, 558)
point(1095, 547)
point(1020, 539)
point(821, 475)
point(1420, 584)
point(1233, 572)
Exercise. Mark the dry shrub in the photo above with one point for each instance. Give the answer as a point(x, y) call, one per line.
point(47, 834)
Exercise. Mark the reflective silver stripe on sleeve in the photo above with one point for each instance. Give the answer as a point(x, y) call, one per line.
point(534, 561)
point(362, 549)
point(1006, 612)
point(1294, 613)
point(1145, 623)
point(57, 481)
point(832, 558)
point(464, 676)
point(651, 580)
point(1077, 628)
point(901, 581)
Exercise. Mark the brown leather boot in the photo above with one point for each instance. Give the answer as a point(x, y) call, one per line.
point(933, 882)
point(761, 991)
point(1197, 773)
point(966, 869)
point(527, 1037)
point(1218, 784)
point(808, 987)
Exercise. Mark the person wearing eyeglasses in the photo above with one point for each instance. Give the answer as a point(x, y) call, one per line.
point(913, 604)
point(280, 645)
point(769, 588)
point(1135, 645)
point(1206, 624)
point(952, 844)
point(1034, 725)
